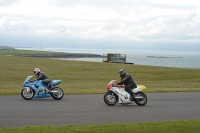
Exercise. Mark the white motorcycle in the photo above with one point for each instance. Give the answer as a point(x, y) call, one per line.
point(116, 93)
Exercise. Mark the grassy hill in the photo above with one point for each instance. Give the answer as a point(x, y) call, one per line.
point(92, 77)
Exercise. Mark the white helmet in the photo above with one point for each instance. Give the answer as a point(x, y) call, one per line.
point(36, 71)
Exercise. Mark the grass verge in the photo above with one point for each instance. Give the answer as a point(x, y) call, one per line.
point(190, 126)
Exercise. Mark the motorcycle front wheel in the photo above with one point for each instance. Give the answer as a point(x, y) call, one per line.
point(140, 99)
point(27, 95)
point(58, 94)
point(110, 98)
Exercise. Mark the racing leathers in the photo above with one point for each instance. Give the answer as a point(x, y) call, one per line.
point(46, 80)
point(129, 83)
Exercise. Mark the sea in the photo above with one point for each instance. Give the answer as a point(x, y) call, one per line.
point(177, 59)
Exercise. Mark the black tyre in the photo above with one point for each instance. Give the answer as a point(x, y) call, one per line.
point(26, 95)
point(140, 99)
point(57, 96)
point(110, 98)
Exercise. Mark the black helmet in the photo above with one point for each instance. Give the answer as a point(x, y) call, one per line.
point(122, 72)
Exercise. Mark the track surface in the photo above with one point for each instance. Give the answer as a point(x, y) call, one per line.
point(91, 109)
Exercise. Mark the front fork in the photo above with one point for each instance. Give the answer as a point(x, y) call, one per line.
point(27, 89)
point(112, 94)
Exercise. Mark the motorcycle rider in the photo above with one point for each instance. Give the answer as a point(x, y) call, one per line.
point(41, 76)
point(128, 81)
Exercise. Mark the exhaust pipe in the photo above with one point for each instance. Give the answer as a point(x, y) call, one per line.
point(139, 98)
point(53, 91)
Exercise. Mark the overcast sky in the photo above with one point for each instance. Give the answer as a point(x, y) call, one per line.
point(125, 24)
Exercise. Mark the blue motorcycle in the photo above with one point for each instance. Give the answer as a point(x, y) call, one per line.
point(37, 89)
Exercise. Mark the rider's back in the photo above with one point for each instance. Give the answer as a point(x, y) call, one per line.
point(128, 80)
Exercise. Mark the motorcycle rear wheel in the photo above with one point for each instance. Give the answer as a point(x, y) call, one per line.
point(57, 96)
point(27, 96)
point(110, 98)
point(141, 102)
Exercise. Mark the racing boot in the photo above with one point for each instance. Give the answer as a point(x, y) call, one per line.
point(48, 88)
point(132, 97)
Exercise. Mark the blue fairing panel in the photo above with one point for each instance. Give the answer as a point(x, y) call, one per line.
point(42, 95)
point(56, 82)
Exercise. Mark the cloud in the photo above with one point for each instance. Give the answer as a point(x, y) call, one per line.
point(8, 2)
point(123, 21)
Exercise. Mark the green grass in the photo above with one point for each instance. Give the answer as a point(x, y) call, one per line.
point(92, 77)
point(190, 126)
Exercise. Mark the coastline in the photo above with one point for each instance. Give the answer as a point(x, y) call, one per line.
point(150, 58)
point(46, 54)
point(67, 55)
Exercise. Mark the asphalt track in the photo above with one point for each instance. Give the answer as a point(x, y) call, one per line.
point(91, 109)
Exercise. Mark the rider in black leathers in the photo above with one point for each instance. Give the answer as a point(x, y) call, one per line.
point(128, 81)
point(41, 76)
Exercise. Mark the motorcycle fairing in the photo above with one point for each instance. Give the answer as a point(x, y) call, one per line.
point(39, 91)
point(139, 88)
point(109, 86)
point(42, 95)
point(123, 96)
point(55, 82)
point(37, 86)
point(142, 87)
point(27, 80)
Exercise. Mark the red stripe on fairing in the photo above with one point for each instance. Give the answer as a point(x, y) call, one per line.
point(121, 86)
point(109, 86)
